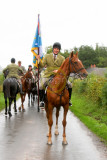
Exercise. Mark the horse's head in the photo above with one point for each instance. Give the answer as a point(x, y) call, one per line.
point(76, 66)
point(29, 78)
point(29, 75)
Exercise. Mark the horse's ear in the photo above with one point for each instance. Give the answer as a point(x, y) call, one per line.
point(71, 55)
point(76, 54)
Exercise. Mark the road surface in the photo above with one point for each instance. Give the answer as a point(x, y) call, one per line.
point(23, 137)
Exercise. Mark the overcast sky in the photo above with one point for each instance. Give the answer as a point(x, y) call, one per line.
point(70, 22)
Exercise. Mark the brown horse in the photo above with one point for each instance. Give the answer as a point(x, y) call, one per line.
point(57, 92)
point(27, 81)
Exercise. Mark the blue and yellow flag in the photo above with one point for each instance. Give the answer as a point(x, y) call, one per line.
point(37, 45)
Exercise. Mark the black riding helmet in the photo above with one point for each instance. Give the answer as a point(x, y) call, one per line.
point(57, 45)
point(13, 60)
point(30, 66)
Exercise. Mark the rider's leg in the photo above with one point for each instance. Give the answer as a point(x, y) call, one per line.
point(20, 86)
point(42, 86)
point(70, 91)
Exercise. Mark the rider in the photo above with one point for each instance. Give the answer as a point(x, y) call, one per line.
point(52, 62)
point(22, 67)
point(13, 70)
point(30, 68)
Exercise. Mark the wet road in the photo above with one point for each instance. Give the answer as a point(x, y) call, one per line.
point(23, 137)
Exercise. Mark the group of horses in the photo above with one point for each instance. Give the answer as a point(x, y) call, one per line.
point(11, 88)
point(57, 94)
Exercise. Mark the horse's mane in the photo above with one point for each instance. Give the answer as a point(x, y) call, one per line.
point(64, 64)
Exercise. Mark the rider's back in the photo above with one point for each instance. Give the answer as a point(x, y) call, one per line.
point(12, 70)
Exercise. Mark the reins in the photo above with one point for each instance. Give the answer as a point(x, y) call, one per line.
point(72, 65)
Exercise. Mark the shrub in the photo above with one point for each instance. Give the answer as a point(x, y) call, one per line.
point(104, 94)
point(93, 87)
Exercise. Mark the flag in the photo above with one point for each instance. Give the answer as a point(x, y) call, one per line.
point(37, 45)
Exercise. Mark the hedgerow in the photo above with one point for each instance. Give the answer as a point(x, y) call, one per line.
point(94, 87)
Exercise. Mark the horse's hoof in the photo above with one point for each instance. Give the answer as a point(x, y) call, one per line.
point(9, 114)
point(5, 113)
point(23, 110)
point(19, 108)
point(49, 142)
point(56, 133)
point(64, 142)
point(15, 111)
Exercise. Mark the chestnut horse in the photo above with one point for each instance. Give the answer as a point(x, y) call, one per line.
point(58, 95)
point(27, 81)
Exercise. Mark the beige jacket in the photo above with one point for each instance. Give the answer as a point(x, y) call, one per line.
point(50, 64)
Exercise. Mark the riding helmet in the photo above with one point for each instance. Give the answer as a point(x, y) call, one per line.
point(57, 45)
point(30, 66)
point(13, 60)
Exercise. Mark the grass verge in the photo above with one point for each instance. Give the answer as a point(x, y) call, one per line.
point(92, 115)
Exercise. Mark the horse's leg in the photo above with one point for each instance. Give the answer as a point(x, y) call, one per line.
point(56, 127)
point(28, 99)
point(64, 123)
point(22, 101)
point(5, 105)
point(15, 105)
point(33, 97)
point(50, 122)
point(9, 112)
point(47, 114)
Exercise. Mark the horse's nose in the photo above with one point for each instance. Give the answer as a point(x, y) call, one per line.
point(85, 74)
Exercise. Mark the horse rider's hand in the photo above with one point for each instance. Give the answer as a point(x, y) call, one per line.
point(38, 57)
point(55, 71)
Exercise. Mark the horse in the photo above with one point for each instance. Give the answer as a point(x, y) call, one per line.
point(10, 89)
point(57, 94)
point(28, 81)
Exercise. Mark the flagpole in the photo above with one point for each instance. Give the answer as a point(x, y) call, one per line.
point(38, 70)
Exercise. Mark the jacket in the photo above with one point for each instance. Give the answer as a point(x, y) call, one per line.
point(12, 70)
point(50, 64)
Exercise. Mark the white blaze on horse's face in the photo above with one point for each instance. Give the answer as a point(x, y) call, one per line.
point(32, 75)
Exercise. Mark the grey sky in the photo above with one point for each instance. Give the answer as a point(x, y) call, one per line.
point(70, 22)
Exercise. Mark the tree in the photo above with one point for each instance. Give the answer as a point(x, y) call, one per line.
point(88, 56)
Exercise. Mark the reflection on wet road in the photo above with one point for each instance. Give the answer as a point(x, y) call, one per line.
point(23, 137)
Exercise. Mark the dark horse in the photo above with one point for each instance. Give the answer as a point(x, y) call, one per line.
point(57, 92)
point(10, 89)
point(28, 86)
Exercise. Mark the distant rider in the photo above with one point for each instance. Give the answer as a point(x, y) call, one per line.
point(12, 70)
point(22, 67)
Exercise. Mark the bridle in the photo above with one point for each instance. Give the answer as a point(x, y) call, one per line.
point(73, 66)
point(32, 78)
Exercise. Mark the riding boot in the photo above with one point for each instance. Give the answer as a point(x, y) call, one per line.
point(21, 92)
point(70, 93)
point(42, 95)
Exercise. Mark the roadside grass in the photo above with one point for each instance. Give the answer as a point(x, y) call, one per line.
point(92, 115)
point(2, 102)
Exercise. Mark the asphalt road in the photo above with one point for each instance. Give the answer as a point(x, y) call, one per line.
point(23, 137)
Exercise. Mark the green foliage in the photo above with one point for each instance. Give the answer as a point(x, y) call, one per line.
point(87, 55)
point(104, 94)
point(93, 88)
point(48, 49)
point(94, 117)
point(1, 82)
point(1, 79)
